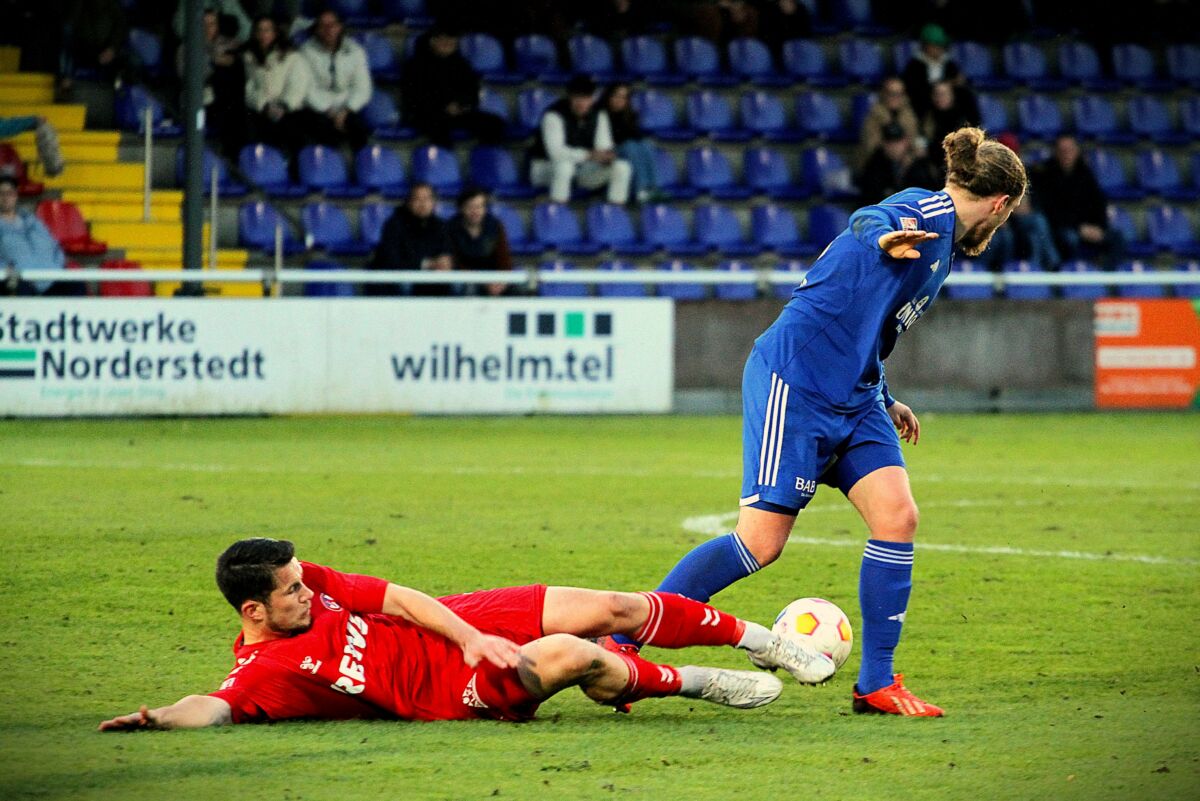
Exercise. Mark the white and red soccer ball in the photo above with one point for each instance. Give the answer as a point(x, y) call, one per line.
point(819, 624)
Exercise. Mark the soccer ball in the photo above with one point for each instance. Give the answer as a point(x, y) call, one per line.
point(819, 624)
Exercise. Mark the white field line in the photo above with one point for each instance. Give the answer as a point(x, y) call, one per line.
point(715, 525)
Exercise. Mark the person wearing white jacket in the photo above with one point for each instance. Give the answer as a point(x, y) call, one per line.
point(575, 144)
point(340, 85)
point(276, 87)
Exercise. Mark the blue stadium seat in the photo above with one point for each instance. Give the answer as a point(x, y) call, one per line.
point(1135, 65)
point(665, 227)
point(860, 107)
point(1080, 64)
point(130, 108)
point(681, 291)
point(658, 115)
point(698, 58)
point(1189, 115)
point(750, 59)
point(1151, 119)
point(609, 226)
point(820, 116)
point(328, 228)
point(437, 166)
point(1183, 64)
point(825, 222)
point(1096, 118)
point(1025, 291)
point(858, 16)
point(226, 186)
point(556, 226)
point(774, 228)
point(1141, 291)
point(356, 13)
point(955, 291)
point(785, 290)
point(1170, 230)
point(145, 50)
point(1081, 291)
point(382, 60)
point(743, 290)
point(495, 169)
point(1196, 170)
point(1158, 174)
point(1189, 290)
point(712, 114)
point(444, 209)
point(646, 58)
point(862, 61)
point(379, 169)
point(718, 228)
point(256, 229)
point(1110, 174)
point(547, 287)
point(331, 289)
point(267, 168)
point(805, 61)
point(371, 218)
point(486, 55)
point(824, 172)
point(669, 181)
point(622, 290)
point(412, 12)
point(763, 115)
point(519, 240)
point(1039, 117)
point(993, 113)
point(766, 171)
point(494, 102)
point(323, 170)
point(382, 115)
point(906, 50)
point(975, 61)
point(1025, 63)
point(530, 105)
point(591, 55)
point(1124, 222)
point(709, 171)
point(537, 57)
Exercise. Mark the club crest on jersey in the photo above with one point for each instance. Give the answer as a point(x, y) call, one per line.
point(908, 223)
point(330, 604)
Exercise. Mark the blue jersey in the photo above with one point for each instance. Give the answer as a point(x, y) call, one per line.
point(843, 320)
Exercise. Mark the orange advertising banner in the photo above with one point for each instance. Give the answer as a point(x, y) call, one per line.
point(1147, 354)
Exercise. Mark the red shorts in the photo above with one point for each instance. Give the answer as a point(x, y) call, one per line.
point(514, 613)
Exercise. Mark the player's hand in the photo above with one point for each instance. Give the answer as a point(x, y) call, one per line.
point(905, 421)
point(497, 650)
point(142, 719)
point(902, 244)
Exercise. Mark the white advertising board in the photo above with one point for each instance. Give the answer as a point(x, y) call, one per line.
point(71, 357)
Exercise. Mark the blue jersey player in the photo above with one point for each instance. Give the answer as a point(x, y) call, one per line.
point(816, 407)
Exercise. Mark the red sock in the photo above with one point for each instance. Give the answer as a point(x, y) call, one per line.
point(677, 622)
point(647, 680)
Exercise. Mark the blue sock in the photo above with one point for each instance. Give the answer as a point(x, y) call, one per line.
point(884, 584)
point(707, 569)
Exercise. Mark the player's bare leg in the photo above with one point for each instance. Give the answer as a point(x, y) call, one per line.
point(557, 661)
point(764, 533)
point(884, 499)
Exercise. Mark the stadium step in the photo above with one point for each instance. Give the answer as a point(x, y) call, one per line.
point(94, 175)
point(10, 59)
point(100, 211)
point(227, 260)
point(164, 197)
point(76, 145)
point(142, 234)
point(26, 87)
point(63, 116)
point(170, 258)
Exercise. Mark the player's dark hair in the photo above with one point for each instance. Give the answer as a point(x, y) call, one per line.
point(246, 571)
point(982, 166)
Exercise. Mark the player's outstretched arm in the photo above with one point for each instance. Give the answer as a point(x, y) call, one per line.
point(191, 712)
point(902, 244)
point(430, 613)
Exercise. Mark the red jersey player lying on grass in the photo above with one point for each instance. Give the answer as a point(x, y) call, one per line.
point(320, 644)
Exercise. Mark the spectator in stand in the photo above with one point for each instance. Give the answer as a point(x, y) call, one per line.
point(1075, 205)
point(440, 91)
point(479, 240)
point(239, 23)
point(575, 143)
point(340, 85)
point(282, 10)
point(929, 65)
point(631, 141)
point(895, 165)
point(94, 36)
point(276, 86)
point(26, 244)
point(615, 20)
point(781, 20)
point(224, 86)
point(951, 107)
point(718, 20)
point(414, 238)
point(891, 107)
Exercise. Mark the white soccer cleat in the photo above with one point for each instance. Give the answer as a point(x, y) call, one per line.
point(806, 665)
point(741, 689)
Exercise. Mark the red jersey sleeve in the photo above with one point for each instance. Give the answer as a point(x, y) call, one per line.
point(363, 594)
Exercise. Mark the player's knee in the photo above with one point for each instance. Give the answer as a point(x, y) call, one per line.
point(623, 609)
point(562, 659)
point(764, 547)
point(898, 522)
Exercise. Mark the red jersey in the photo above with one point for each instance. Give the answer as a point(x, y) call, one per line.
point(356, 662)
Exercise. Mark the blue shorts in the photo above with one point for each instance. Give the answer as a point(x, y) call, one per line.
point(790, 444)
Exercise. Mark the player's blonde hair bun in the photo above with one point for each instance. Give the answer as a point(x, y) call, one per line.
point(983, 166)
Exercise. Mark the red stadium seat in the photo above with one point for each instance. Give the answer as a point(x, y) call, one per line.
point(67, 225)
point(10, 162)
point(124, 289)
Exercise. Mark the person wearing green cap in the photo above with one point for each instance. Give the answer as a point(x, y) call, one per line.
point(930, 64)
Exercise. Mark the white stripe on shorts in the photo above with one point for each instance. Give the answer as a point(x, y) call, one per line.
point(779, 434)
point(762, 452)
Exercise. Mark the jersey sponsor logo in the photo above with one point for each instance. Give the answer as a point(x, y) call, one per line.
point(231, 679)
point(470, 696)
point(908, 223)
point(806, 485)
point(909, 313)
point(330, 604)
point(309, 665)
point(353, 678)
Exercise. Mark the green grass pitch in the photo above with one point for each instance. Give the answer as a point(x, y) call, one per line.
point(1067, 657)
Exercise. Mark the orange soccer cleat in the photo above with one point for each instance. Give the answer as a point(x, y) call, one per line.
point(894, 699)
